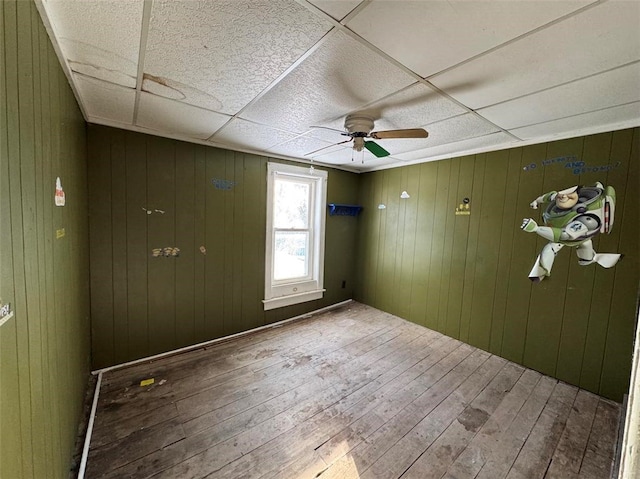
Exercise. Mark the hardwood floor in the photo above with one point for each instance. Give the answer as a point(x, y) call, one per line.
point(350, 393)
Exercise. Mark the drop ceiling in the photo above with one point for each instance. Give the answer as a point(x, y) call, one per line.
point(263, 75)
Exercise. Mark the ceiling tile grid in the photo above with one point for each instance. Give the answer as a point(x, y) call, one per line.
point(341, 76)
point(297, 144)
point(598, 39)
point(264, 75)
point(99, 39)
point(108, 101)
point(229, 50)
point(612, 88)
point(431, 36)
point(176, 118)
point(607, 119)
point(338, 9)
point(464, 147)
point(246, 134)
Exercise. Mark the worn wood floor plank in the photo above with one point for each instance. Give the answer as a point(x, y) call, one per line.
point(567, 457)
point(353, 393)
point(406, 451)
point(409, 410)
point(536, 453)
point(598, 458)
point(509, 445)
point(438, 457)
point(308, 437)
point(476, 454)
point(353, 376)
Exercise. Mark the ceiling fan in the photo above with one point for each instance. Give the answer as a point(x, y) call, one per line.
point(358, 128)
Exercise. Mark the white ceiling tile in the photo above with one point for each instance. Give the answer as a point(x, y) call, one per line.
point(106, 100)
point(228, 50)
point(614, 118)
point(340, 76)
point(429, 36)
point(100, 39)
point(413, 107)
point(460, 147)
point(616, 87)
point(177, 118)
point(246, 134)
point(300, 146)
point(338, 9)
point(459, 128)
point(598, 39)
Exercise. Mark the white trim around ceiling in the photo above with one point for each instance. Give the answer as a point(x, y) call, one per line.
point(516, 144)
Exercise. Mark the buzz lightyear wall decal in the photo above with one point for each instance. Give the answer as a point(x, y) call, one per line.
point(572, 218)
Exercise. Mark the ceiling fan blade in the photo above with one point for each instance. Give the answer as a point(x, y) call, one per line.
point(409, 133)
point(376, 149)
point(329, 146)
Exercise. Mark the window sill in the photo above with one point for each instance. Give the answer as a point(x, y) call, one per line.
point(290, 299)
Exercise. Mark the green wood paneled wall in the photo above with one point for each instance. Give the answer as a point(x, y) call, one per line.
point(142, 304)
point(44, 348)
point(466, 276)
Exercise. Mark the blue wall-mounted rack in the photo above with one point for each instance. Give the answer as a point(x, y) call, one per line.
point(343, 210)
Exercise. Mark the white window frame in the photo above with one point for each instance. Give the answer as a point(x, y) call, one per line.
point(280, 293)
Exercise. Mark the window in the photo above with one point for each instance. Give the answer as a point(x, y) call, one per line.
point(295, 235)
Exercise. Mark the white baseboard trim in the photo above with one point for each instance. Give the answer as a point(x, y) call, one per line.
point(222, 339)
point(87, 437)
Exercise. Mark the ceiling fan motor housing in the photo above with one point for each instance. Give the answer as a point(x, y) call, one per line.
point(358, 125)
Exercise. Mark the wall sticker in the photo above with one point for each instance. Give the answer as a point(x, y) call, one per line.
point(573, 217)
point(464, 208)
point(572, 163)
point(59, 195)
point(149, 212)
point(221, 184)
point(5, 312)
point(165, 252)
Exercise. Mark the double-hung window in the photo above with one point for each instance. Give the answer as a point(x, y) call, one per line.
point(295, 235)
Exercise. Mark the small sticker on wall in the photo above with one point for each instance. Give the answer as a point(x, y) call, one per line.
point(165, 252)
point(60, 233)
point(59, 196)
point(464, 208)
point(221, 184)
